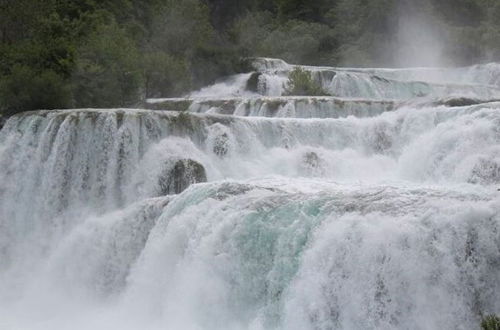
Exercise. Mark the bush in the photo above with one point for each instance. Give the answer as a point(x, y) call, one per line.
point(26, 89)
point(490, 322)
point(300, 82)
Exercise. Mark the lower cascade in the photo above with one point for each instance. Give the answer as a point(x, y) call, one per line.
point(257, 212)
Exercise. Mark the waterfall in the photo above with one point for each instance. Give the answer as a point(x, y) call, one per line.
point(235, 207)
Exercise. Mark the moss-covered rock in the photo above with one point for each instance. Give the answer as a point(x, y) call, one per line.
point(171, 104)
point(253, 82)
point(225, 107)
point(178, 178)
point(274, 104)
point(486, 171)
point(182, 123)
point(459, 102)
point(221, 145)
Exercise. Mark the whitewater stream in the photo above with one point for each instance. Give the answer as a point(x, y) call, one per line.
point(237, 207)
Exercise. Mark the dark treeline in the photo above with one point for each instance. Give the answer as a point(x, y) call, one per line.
point(111, 53)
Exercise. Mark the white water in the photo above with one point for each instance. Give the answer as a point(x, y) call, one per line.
point(379, 220)
point(282, 107)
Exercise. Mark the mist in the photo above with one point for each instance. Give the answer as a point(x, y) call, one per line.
point(419, 41)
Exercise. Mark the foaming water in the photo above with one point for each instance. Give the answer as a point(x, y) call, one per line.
point(335, 214)
point(234, 86)
point(288, 254)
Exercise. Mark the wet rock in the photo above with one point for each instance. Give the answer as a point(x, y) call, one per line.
point(182, 123)
point(274, 105)
point(253, 82)
point(311, 159)
point(459, 102)
point(312, 164)
point(219, 139)
point(381, 79)
point(225, 107)
point(228, 190)
point(174, 104)
point(184, 173)
point(486, 171)
point(382, 141)
point(221, 145)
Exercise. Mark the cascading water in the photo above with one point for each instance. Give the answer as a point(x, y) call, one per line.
point(374, 208)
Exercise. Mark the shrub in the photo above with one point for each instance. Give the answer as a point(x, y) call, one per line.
point(490, 322)
point(300, 82)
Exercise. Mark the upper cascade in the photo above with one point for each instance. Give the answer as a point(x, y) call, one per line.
point(347, 91)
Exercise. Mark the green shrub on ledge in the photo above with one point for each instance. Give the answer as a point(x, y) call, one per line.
point(300, 82)
point(490, 322)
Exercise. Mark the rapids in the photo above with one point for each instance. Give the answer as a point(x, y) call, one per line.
point(377, 207)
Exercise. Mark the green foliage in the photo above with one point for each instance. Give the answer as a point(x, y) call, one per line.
point(108, 70)
point(165, 75)
point(25, 89)
point(182, 122)
point(294, 41)
point(108, 53)
point(301, 42)
point(308, 10)
point(490, 322)
point(180, 27)
point(300, 82)
point(251, 29)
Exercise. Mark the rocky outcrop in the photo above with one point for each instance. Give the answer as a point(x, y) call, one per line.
point(312, 164)
point(178, 178)
point(486, 171)
point(253, 82)
point(460, 101)
point(221, 145)
point(3, 119)
point(298, 107)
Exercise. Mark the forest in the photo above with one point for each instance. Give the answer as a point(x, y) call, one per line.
point(115, 53)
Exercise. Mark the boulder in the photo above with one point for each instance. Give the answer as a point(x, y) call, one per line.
point(221, 145)
point(253, 82)
point(178, 178)
point(486, 171)
point(312, 164)
point(311, 160)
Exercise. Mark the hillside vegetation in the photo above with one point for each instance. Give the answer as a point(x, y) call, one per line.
point(113, 53)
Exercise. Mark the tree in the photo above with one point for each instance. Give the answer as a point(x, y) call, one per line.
point(25, 89)
point(108, 69)
point(165, 75)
